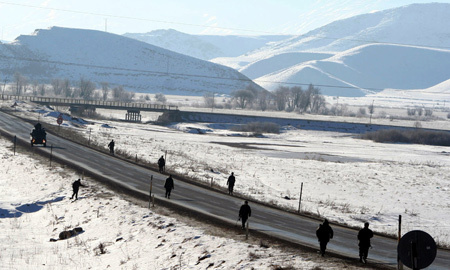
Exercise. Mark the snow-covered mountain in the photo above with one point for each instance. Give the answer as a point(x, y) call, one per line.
point(205, 47)
point(425, 25)
point(104, 57)
point(369, 69)
point(355, 59)
point(442, 88)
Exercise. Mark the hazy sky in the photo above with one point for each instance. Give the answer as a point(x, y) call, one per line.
point(243, 17)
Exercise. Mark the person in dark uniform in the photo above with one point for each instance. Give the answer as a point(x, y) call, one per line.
point(75, 187)
point(161, 164)
point(169, 186)
point(364, 236)
point(324, 233)
point(111, 147)
point(244, 213)
point(230, 183)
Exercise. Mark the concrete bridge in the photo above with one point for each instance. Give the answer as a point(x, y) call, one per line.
point(80, 105)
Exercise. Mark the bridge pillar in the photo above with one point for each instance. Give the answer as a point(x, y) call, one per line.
point(170, 116)
point(133, 116)
point(82, 110)
point(76, 109)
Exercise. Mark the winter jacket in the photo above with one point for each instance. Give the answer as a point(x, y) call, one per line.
point(169, 184)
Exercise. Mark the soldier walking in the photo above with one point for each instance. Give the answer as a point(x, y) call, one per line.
point(244, 213)
point(324, 233)
point(230, 183)
point(161, 164)
point(169, 186)
point(111, 147)
point(364, 236)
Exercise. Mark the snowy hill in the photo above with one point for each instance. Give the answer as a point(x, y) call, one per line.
point(178, 42)
point(442, 88)
point(279, 61)
point(440, 93)
point(205, 46)
point(369, 68)
point(425, 26)
point(104, 57)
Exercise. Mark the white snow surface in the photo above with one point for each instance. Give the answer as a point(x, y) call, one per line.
point(36, 207)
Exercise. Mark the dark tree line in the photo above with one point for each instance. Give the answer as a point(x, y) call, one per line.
point(83, 88)
point(282, 99)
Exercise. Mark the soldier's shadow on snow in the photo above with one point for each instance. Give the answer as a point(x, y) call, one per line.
point(26, 208)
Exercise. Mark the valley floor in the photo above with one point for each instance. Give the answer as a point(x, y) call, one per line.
point(117, 234)
point(345, 179)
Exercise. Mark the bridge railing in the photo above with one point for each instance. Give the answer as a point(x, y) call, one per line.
point(68, 102)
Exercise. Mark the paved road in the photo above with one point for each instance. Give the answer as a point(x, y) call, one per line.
point(264, 219)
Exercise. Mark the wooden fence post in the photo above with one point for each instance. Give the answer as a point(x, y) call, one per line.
point(399, 262)
point(300, 200)
point(150, 194)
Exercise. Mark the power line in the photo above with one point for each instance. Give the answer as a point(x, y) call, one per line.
point(322, 85)
point(167, 73)
point(133, 18)
point(378, 42)
point(221, 28)
point(197, 25)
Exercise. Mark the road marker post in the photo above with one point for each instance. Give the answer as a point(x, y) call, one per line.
point(150, 194)
point(399, 262)
point(300, 200)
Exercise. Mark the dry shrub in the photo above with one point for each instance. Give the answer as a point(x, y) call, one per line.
point(441, 138)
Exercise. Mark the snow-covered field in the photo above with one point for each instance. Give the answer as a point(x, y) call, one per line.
point(35, 206)
point(345, 179)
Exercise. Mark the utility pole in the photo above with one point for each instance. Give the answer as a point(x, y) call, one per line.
point(212, 107)
point(337, 105)
point(371, 109)
point(167, 70)
point(4, 86)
